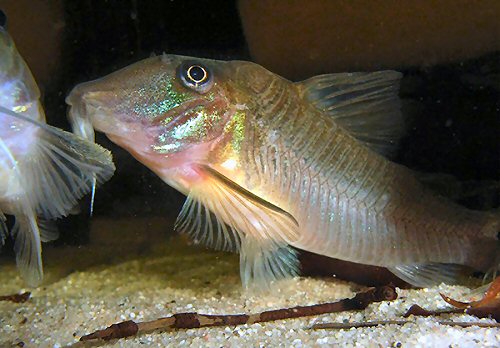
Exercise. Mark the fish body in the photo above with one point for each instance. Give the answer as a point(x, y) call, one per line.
point(268, 164)
point(43, 170)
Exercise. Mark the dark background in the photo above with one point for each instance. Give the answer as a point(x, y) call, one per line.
point(454, 108)
point(103, 36)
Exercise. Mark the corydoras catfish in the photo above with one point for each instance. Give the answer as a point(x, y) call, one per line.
point(268, 165)
point(43, 170)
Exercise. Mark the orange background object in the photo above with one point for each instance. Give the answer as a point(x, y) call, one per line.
point(301, 38)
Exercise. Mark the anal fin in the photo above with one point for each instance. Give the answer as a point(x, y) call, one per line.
point(430, 274)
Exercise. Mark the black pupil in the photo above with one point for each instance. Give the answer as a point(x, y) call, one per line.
point(196, 73)
point(3, 19)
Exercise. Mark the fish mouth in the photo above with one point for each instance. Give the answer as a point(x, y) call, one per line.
point(89, 111)
point(81, 120)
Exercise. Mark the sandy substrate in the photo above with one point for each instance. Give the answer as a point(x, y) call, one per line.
point(92, 287)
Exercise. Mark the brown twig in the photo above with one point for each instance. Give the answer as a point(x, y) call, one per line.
point(417, 310)
point(195, 320)
point(16, 298)
point(347, 326)
point(487, 307)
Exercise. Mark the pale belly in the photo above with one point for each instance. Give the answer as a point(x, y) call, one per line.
point(16, 144)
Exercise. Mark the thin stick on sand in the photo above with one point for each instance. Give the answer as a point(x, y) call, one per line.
point(347, 326)
point(195, 320)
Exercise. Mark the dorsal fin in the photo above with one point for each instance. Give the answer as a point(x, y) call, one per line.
point(365, 104)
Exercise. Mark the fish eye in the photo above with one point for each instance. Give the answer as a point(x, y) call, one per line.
point(196, 76)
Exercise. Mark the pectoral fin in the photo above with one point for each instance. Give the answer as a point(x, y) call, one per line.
point(223, 214)
point(205, 227)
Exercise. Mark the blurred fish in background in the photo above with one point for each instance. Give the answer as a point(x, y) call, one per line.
point(43, 170)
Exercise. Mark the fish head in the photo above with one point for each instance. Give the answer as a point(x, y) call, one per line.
point(167, 111)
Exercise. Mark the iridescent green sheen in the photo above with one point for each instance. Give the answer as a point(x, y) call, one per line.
point(158, 98)
point(165, 145)
point(236, 126)
point(195, 129)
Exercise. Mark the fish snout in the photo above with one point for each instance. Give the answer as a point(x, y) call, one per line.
point(84, 94)
point(88, 110)
point(75, 97)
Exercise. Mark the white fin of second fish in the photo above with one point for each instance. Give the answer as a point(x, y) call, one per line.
point(25, 231)
point(58, 171)
point(61, 168)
